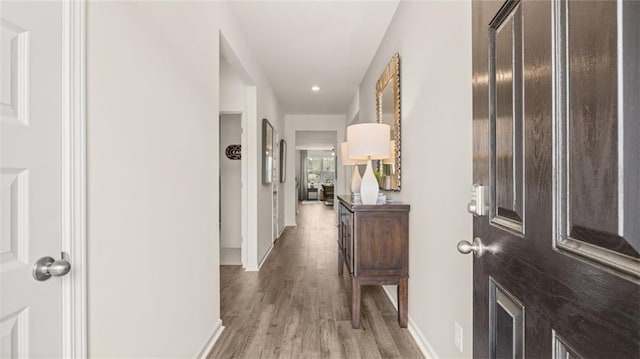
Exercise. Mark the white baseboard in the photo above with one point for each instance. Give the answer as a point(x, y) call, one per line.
point(423, 344)
point(264, 259)
point(281, 231)
point(212, 340)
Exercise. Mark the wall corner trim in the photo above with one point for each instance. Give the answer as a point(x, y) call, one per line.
point(212, 340)
point(254, 268)
point(423, 344)
point(264, 259)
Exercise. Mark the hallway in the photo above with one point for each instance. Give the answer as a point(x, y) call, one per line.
point(298, 307)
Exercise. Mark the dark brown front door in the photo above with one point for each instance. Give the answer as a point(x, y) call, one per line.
point(556, 138)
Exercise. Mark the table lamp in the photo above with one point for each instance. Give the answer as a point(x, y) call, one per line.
point(356, 180)
point(366, 142)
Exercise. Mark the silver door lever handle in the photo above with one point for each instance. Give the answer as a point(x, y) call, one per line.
point(476, 247)
point(46, 267)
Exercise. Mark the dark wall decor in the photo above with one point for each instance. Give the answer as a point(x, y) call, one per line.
point(283, 161)
point(267, 151)
point(233, 152)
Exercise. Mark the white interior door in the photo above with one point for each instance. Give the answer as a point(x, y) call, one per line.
point(31, 102)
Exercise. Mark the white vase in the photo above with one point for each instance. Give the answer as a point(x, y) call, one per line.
point(369, 186)
point(356, 180)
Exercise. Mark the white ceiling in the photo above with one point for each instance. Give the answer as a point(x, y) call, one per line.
point(324, 43)
point(315, 140)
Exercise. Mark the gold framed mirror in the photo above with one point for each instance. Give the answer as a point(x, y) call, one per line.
point(388, 112)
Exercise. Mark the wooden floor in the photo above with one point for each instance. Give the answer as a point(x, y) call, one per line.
point(298, 307)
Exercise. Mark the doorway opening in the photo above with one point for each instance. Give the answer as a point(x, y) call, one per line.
point(230, 189)
point(316, 167)
point(237, 105)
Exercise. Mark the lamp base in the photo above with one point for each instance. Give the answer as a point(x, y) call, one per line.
point(369, 186)
point(356, 180)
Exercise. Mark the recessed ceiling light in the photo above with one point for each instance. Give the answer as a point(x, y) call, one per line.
point(315, 88)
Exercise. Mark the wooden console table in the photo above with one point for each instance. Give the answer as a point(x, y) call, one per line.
point(373, 242)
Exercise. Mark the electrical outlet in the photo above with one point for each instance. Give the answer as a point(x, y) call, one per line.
point(457, 336)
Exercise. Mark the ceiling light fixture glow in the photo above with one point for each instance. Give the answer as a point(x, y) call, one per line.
point(315, 88)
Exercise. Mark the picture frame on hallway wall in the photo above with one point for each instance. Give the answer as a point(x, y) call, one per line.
point(267, 151)
point(283, 161)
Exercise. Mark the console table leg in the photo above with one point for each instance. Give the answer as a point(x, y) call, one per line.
point(355, 303)
point(403, 299)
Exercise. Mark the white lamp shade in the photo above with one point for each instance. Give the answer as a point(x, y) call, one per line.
point(392, 154)
point(368, 141)
point(346, 161)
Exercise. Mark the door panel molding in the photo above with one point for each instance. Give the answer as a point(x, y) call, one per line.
point(591, 206)
point(506, 172)
point(561, 350)
point(14, 250)
point(14, 102)
point(506, 323)
point(14, 334)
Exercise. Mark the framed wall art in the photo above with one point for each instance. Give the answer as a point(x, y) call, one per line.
point(267, 151)
point(283, 161)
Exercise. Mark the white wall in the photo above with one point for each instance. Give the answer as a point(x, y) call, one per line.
point(354, 108)
point(230, 183)
point(233, 90)
point(434, 42)
point(153, 173)
point(295, 123)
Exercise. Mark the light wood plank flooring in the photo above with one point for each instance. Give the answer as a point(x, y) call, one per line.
point(297, 306)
